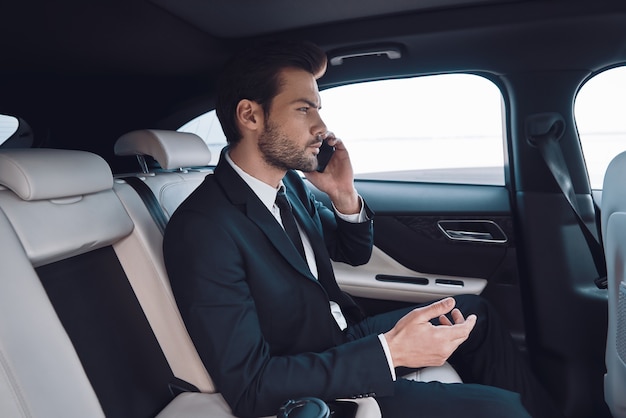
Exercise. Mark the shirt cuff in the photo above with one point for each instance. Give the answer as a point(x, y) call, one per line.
point(356, 217)
point(383, 342)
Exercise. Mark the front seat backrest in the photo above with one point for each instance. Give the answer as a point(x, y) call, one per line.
point(614, 237)
point(176, 153)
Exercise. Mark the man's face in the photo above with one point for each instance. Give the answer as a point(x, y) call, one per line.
point(292, 134)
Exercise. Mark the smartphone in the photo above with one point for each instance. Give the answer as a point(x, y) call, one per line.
point(324, 156)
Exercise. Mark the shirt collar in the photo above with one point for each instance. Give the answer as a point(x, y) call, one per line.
point(264, 191)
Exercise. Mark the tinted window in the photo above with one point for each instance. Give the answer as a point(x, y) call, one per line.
point(445, 128)
point(207, 127)
point(600, 111)
point(8, 126)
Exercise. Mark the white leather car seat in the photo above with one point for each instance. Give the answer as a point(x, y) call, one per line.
point(614, 237)
point(183, 158)
point(40, 373)
point(141, 253)
point(73, 340)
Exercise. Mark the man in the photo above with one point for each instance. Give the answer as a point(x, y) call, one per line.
point(270, 323)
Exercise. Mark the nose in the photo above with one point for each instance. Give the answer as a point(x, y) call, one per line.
point(319, 129)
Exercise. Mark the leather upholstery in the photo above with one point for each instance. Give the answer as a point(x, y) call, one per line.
point(40, 373)
point(170, 149)
point(614, 237)
point(141, 252)
point(53, 225)
point(141, 256)
point(37, 174)
point(443, 374)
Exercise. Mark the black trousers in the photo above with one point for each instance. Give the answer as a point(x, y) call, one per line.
point(497, 381)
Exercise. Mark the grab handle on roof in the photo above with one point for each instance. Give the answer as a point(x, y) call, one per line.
point(391, 52)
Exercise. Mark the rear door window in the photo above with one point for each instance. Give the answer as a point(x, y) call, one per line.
point(443, 128)
point(600, 111)
point(8, 126)
point(208, 127)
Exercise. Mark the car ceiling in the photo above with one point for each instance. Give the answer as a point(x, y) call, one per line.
point(178, 37)
point(217, 17)
point(82, 73)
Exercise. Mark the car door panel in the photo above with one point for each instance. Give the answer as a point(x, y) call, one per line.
point(385, 278)
point(437, 240)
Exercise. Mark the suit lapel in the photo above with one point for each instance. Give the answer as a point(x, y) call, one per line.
point(240, 194)
point(309, 226)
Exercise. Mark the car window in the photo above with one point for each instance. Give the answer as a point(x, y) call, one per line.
point(8, 126)
point(207, 127)
point(443, 128)
point(599, 108)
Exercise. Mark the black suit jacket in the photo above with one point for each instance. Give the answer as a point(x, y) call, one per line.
point(260, 321)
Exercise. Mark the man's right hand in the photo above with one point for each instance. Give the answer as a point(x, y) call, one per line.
point(415, 342)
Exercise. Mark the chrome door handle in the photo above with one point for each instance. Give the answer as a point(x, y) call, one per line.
point(473, 230)
point(469, 235)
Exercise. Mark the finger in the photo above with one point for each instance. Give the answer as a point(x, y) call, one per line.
point(471, 320)
point(457, 316)
point(335, 142)
point(467, 326)
point(329, 136)
point(443, 320)
point(435, 310)
point(460, 331)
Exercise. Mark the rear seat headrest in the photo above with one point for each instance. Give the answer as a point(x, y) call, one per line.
point(170, 149)
point(39, 174)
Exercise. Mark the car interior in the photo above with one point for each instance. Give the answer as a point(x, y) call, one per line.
point(96, 153)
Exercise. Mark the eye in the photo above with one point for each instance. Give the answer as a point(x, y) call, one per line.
point(304, 109)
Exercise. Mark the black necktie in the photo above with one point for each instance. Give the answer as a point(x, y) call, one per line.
point(289, 222)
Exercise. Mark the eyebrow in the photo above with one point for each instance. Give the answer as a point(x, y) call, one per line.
point(308, 102)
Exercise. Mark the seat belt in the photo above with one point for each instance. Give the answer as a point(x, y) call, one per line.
point(544, 130)
point(150, 200)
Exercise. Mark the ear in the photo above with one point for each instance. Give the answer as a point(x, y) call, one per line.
point(249, 115)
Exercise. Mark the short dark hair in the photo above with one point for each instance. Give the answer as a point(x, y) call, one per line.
point(253, 74)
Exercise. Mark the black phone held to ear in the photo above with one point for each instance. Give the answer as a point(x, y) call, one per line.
point(324, 156)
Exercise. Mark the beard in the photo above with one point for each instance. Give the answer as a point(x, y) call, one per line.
point(279, 151)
